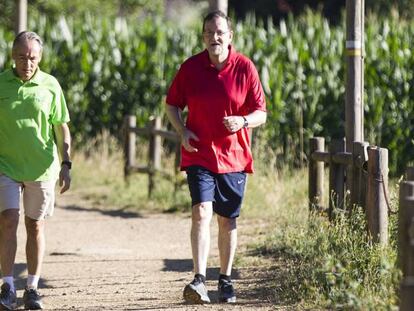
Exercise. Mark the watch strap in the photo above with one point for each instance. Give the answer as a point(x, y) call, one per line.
point(67, 163)
point(246, 123)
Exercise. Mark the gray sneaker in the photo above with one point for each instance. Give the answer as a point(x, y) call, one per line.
point(8, 299)
point(226, 291)
point(196, 293)
point(31, 299)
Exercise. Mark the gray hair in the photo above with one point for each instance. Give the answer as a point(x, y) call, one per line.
point(27, 36)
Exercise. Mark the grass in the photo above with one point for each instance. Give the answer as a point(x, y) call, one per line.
point(98, 177)
point(320, 265)
point(329, 265)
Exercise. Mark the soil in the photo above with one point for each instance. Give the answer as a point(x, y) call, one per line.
point(103, 259)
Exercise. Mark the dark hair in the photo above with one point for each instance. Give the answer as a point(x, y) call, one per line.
point(216, 14)
point(27, 36)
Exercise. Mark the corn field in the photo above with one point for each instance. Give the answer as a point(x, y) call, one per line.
point(110, 68)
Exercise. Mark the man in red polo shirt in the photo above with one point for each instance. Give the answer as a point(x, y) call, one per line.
point(224, 97)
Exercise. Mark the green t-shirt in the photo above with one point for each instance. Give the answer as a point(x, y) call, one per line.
point(28, 111)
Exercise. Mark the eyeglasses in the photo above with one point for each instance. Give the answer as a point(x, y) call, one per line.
point(211, 34)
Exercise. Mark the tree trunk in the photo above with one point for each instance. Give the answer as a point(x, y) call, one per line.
point(221, 5)
point(168, 8)
point(21, 16)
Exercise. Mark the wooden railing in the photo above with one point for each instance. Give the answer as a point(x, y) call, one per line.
point(367, 183)
point(154, 132)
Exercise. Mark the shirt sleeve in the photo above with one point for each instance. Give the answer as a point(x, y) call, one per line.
point(255, 99)
point(176, 92)
point(59, 113)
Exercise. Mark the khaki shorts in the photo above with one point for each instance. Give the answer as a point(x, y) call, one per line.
point(38, 196)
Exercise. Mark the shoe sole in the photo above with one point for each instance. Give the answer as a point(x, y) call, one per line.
point(3, 307)
point(228, 300)
point(193, 297)
point(33, 307)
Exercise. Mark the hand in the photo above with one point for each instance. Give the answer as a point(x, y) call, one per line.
point(233, 123)
point(185, 140)
point(64, 179)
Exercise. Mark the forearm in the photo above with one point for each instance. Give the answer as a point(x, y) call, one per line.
point(174, 115)
point(256, 118)
point(63, 141)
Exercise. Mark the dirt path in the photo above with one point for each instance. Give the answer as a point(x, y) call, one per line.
point(114, 260)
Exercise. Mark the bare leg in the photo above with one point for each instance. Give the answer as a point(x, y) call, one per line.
point(227, 242)
point(35, 245)
point(200, 235)
point(9, 220)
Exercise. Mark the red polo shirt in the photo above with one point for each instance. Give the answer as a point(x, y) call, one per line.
point(210, 95)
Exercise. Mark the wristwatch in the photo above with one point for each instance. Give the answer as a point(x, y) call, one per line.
point(246, 123)
point(67, 163)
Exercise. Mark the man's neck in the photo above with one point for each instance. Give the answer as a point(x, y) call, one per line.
point(220, 60)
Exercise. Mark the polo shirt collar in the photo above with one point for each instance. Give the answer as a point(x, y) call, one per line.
point(230, 58)
point(35, 79)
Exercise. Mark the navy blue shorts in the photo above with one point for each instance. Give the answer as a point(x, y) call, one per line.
point(226, 191)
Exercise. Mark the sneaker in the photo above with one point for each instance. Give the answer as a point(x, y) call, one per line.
point(31, 299)
point(8, 299)
point(226, 291)
point(196, 293)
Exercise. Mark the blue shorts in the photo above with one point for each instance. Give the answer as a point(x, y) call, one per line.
point(226, 191)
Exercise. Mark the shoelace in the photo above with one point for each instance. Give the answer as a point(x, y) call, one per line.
point(226, 287)
point(32, 293)
point(196, 281)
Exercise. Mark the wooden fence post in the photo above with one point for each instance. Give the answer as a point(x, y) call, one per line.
point(336, 178)
point(406, 244)
point(130, 122)
point(377, 205)
point(316, 172)
point(154, 151)
point(359, 155)
point(409, 173)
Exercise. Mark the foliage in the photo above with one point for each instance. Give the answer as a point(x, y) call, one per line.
point(404, 8)
point(54, 9)
point(107, 188)
point(330, 8)
point(335, 265)
point(112, 67)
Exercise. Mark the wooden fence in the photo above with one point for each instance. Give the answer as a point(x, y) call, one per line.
point(367, 181)
point(406, 240)
point(154, 132)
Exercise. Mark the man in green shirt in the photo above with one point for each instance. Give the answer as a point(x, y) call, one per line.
point(33, 134)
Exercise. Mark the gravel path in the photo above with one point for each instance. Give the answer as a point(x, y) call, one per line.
point(115, 260)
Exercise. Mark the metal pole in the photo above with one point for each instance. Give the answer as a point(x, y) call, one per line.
point(21, 16)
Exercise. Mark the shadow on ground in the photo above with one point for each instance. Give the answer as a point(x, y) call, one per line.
point(113, 213)
point(186, 265)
